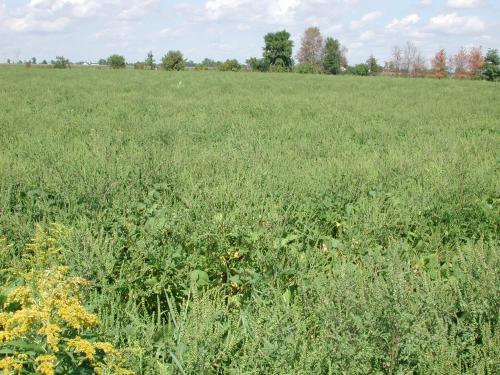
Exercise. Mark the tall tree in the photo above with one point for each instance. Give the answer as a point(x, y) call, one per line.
point(311, 47)
point(475, 61)
point(150, 61)
point(332, 56)
point(396, 63)
point(491, 66)
point(173, 60)
point(460, 62)
point(343, 57)
point(278, 49)
point(439, 67)
point(413, 63)
point(373, 66)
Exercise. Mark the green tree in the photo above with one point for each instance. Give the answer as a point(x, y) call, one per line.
point(278, 50)
point(102, 62)
point(332, 56)
point(230, 66)
point(491, 66)
point(373, 67)
point(208, 62)
point(33, 60)
point(150, 61)
point(116, 61)
point(360, 70)
point(61, 62)
point(173, 60)
point(257, 65)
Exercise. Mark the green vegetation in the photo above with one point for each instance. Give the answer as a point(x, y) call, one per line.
point(230, 65)
point(60, 63)
point(116, 61)
point(491, 68)
point(173, 60)
point(265, 223)
point(277, 52)
point(332, 56)
point(150, 61)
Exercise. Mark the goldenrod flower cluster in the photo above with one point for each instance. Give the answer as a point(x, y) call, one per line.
point(43, 306)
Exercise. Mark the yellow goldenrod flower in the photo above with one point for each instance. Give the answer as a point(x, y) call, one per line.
point(51, 331)
point(80, 345)
point(49, 308)
point(21, 295)
point(75, 315)
point(9, 363)
point(47, 364)
point(106, 347)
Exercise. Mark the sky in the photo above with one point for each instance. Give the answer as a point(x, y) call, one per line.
point(86, 30)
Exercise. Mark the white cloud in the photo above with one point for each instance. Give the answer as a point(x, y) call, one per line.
point(367, 35)
point(216, 9)
point(137, 9)
point(425, 3)
point(334, 28)
point(454, 24)
point(30, 24)
point(403, 22)
point(56, 15)
point(354, 46)
point(283, 10)
point(464, 3)
point(282, 13)
point(274, 11)
point(367, 18)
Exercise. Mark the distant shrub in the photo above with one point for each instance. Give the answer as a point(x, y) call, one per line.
point(230, 66)
point(60, 63)
point(278, 69)
point(359, 70)
point(308, 69)
point(139, 66)
point(373, 67)
point(150, 61)
point(116, 61)
point(257, 65)
point(173, 60)
point(200, 68)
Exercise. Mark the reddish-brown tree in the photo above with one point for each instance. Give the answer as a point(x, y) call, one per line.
point(311, 47)
point(439, 67)
point(475, 62)
point(460, 62)
point(396, 63)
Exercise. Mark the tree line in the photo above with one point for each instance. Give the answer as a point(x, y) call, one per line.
point(327, 56)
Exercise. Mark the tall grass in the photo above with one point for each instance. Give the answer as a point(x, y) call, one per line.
point(267, 223)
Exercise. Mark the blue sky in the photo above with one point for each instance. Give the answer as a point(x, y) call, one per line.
point(86, 30)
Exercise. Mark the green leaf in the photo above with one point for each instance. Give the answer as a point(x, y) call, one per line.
point(199, 277)
point(26, 346)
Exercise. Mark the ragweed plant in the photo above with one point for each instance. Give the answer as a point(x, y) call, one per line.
point(44, 326)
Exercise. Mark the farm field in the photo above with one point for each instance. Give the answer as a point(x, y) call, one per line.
point(234, 223)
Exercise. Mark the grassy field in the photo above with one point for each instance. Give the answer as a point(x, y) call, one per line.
point(266, 223)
